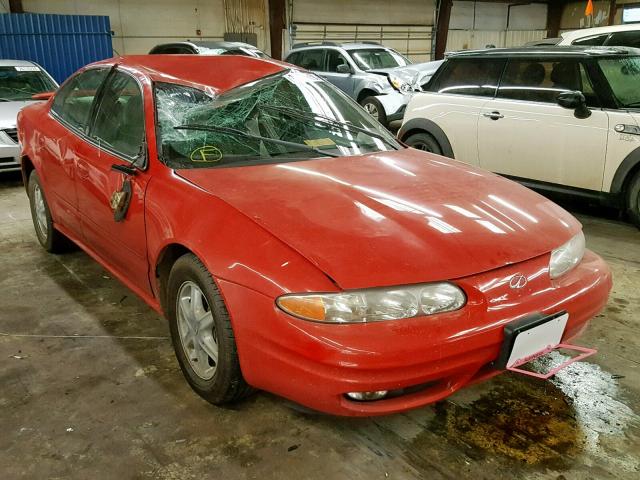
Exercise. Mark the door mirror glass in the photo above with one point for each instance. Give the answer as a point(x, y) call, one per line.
point(342, 68)
point(574, 101)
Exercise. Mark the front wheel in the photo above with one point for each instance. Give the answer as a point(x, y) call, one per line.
point(425, 142)
point(633, 200)
point(374, 108)
point(202, 335)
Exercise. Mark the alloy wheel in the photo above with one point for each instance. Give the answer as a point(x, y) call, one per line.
point(197, 330)
point(371, 110)
point(40, 210)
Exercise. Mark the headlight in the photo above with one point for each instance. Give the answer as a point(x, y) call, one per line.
point(567, 256)
point(399, 84)
point(375, 304)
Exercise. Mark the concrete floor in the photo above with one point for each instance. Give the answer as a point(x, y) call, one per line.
point(89, 388)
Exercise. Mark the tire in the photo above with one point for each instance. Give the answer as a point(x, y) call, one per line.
point(633, 200)
point(424, 141)
point(220, 381)
point(374, 108)
point(50, 239)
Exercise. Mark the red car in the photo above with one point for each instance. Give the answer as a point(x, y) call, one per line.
point(293, 244)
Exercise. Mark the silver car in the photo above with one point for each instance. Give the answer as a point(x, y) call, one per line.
point(19, 80)
point(377, 77)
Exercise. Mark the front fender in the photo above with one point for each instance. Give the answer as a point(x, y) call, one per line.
point(232, 246)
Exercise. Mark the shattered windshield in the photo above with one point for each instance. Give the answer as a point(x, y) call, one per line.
point(19, 83)
point(289, 116)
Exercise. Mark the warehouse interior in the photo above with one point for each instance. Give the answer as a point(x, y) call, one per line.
point(93, 384)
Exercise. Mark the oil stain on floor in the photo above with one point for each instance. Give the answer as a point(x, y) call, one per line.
point(579, 413)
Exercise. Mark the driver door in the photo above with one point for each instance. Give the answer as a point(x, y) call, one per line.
point(116, 232)
point(524, 133)
point(344, 81)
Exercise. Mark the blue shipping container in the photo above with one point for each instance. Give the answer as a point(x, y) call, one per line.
point(60, 43)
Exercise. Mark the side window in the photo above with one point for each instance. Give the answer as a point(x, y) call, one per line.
point(312, 60)
point(625, 39)
point(73, 101)
point(594, 41)
point(335, 58)
point(539, 80)
point(471, 76)
point(587, 88)
point(119, 121)
point(293, 58)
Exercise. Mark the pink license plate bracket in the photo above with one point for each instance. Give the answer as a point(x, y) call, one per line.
point(582, 353)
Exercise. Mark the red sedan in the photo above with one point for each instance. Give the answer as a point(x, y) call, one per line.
point(293, 244)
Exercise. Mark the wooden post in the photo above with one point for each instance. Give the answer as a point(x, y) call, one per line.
point(554, 16)
point(442, 28)
point(277, 23)
point(613, 8)
point(15, 6)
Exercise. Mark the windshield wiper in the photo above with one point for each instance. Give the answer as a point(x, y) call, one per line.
point(316, 117)
point(234, 131)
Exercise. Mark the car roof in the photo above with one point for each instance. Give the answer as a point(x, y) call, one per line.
point(541, 50)
point(200, 70)
point(346, 45)
point(16, 63)
point(208, 44)
point(588, 32)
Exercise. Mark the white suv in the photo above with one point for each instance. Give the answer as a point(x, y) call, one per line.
point(557, 119)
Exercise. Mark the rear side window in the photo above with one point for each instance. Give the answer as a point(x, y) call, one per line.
point(119, 121)
point(595, 41)
point(539, 80)
point(74, 100)
point(310, 59)
point(624, 39)
point(477, 77)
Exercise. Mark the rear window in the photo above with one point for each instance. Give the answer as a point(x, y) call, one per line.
point(472, 76)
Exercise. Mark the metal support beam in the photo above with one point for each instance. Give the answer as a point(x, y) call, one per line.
point(442, 27)
point(15, 6)
point(277, 23)
point(613, 8)
point(554, 16)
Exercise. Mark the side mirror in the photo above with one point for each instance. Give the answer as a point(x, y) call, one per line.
point(343, 68)
point(574, 101)
point(42, 96)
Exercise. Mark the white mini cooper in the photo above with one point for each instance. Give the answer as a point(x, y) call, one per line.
point(557, 119)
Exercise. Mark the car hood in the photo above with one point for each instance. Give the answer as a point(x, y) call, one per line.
point(9, 112)
point(393, 218)
point(415, 74)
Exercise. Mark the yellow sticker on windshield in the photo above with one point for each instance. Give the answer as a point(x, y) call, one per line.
point(208, 153)
point(320, 142)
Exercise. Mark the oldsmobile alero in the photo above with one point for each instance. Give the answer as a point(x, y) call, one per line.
point(292, 243)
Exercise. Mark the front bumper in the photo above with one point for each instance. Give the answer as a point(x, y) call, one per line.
point(316, 364)
point(394, 104)
point(9, 152)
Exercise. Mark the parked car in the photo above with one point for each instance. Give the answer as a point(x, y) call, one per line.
point(611, 36)
point(208, 48)
point(557, 119)
point(380, 79)
point(19, 80)
point(292, 243)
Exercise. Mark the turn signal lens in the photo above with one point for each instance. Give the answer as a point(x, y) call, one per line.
point(374, 304)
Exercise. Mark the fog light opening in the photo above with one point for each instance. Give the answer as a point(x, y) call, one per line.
point(367, 396)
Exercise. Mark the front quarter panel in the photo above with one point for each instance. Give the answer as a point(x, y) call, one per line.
point(232, 246)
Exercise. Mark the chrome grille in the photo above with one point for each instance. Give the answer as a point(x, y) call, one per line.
point(12, 133)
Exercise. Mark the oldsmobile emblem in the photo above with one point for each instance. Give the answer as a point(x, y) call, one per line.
point(518, 281)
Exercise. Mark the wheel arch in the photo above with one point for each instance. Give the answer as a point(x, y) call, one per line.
point(625, 172)
point(165, 260)
point(366, 92)
point(423, 125)
point(26, 167)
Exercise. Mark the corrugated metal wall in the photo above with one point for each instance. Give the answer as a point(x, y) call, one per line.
point(60, 43)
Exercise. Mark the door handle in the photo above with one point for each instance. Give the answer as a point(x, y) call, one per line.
point(493, 115)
